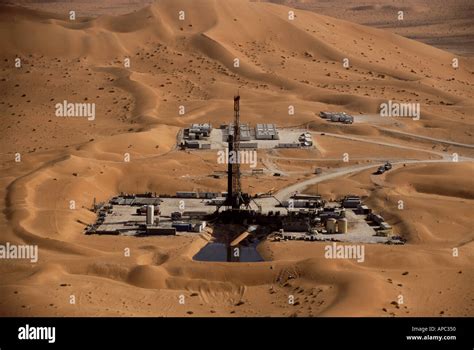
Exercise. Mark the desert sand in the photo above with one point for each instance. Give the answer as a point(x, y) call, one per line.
point(444, 24)
point(191, 63)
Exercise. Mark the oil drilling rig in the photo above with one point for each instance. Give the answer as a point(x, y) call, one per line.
point(235, 222)
point(237, 205)
point(235, 197)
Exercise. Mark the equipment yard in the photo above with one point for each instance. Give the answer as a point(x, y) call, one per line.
point(240, 217)
point(262, 136)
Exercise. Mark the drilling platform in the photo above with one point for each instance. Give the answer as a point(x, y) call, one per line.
point(236, 210)
point(237, 219)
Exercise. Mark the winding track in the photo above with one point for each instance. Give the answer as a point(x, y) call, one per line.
point(300, 186)
point(427, 138)
point(334, 173)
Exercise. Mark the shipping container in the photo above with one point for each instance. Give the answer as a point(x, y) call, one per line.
point(182, 227)
point(161, 231)
point(183, 194)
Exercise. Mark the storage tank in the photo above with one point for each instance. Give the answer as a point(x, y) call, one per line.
point(331, 225)
point(150, 213)
point(342, 225)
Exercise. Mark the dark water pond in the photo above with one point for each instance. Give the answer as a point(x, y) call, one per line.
point(219, 252)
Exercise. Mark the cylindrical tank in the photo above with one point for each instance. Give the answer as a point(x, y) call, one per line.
point(150, 213)
point(342, 225)
point(331, 225)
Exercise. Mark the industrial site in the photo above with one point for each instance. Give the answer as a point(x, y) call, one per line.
point(298, 217)
point(211, 158)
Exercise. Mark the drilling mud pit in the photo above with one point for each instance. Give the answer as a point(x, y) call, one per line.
point(231, 243)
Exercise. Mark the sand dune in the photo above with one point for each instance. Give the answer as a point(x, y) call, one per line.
point(434, 179)
point(434, 22)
